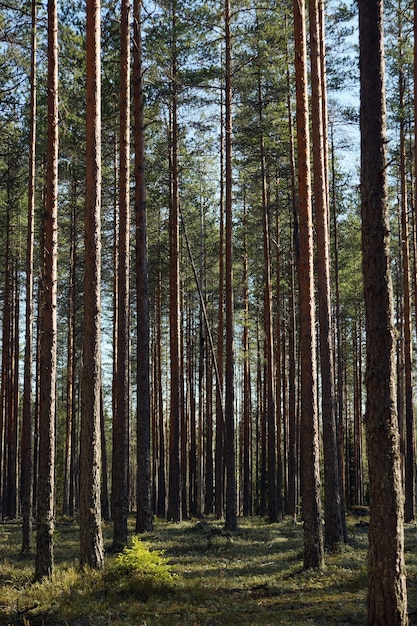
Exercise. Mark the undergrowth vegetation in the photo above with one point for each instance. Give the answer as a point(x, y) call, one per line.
point(194, 573)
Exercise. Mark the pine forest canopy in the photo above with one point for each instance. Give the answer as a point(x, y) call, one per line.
point(202, 200)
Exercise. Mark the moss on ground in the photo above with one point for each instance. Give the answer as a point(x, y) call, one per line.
point(251, 576)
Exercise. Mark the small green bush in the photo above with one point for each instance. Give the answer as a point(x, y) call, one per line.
point(139, 569)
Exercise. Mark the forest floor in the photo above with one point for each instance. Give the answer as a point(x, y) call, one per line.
point(251, 576)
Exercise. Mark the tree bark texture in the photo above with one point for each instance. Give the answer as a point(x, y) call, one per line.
point(229, 450)
point(310, 470)
point(387, 599)
point(91, 540)
point(47, 398)
point(144, 505)
point(174, 481)
point(121, 417)
point(332, 505)
point(26, 486)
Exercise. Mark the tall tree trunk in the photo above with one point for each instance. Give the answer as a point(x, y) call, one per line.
point(310, 474)
point(270, 404)
point(387, 596)
point(161, 496)
point(332, 506)
point(339, 387)
point(121, 418)
point(26, 470)
point(357, 415)
point(209, 464)
point(247, 404)
point(7, 360)
point(105, 496)
point(414, 208)
point(48, 328)
point(70, 415)
point(230, 522)
point(184, 415)
point(91, 539)
point(144, 505)
point(278, 366)
point(220, 426)
point(410, 456)
point(190, 406)
point(13, 423)
point(292, 488)
point(174, 483)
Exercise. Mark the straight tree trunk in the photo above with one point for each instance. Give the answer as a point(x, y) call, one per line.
point(144, 504)
point(121, 418)
point(91, 539)
point(209, 462)
point(231, 521)
point(332, 505)
point(292, 486)
point(387, 596)
point(69, 453)
point(48, 328)
point(191, 411)
point(13, 424)
point(270, 403)
point(410, 453)
point(7, 360)
point(339, 387)
point(161, 496)
point(184, 414)
point(26, 470)
point(414, 208)
point(174, 482)
point(105, 496)
point(358, 491)
point(247, 408)
point(220, 426)
point(279, 351)
point(310, 471)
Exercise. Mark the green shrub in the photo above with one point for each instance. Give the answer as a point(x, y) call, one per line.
point(139, 570)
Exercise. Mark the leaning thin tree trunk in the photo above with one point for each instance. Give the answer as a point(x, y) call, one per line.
point(91, 540)
point(26, 476)
point(48, 329)
point(387, 595)
point(310, 470)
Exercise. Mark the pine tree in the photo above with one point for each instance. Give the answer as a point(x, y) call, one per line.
point(387, 596)
point(91, 540)
point(309, 450)
point(48, 325)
